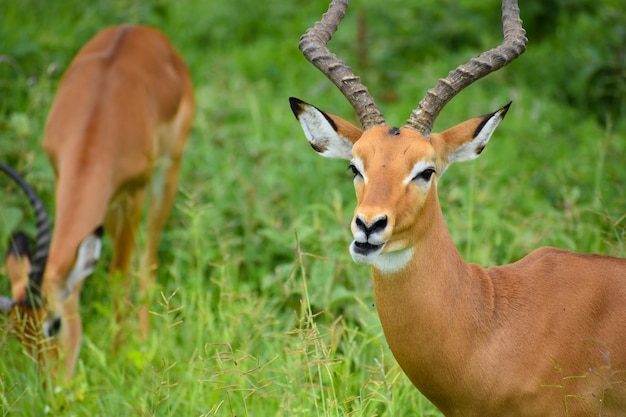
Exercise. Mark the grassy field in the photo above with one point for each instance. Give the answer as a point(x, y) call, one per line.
point(260, 311)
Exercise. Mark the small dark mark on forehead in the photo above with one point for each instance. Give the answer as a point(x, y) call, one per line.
point(394, 131)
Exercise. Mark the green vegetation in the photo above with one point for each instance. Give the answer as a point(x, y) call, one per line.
point(260, 310)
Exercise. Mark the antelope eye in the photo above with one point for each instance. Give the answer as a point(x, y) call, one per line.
point(425, 175)
point(355, 171)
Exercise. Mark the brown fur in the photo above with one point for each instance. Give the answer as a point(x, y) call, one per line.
point(542, 337)
point(124, 106)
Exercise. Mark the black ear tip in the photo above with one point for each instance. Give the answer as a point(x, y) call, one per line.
point(505, 109)
point(297, 105)
point(99, 231)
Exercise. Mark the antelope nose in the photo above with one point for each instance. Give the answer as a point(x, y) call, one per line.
point(377, 225)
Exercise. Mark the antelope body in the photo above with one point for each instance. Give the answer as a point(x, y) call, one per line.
point(544, 336)
point(115, 135)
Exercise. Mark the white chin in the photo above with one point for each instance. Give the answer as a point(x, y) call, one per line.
point(386, 263)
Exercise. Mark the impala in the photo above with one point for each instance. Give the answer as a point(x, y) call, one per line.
point(544, 336)
point(115, 137)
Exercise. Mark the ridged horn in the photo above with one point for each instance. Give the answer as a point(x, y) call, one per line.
point(42, 244)
point(423, 117)
point(313, 47)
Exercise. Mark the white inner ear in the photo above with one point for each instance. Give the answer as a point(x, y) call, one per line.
point(88, 255)
point(321, 135)
point(472, 149)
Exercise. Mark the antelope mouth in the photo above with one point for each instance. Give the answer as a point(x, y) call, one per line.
point(366, 248)
point(364, 252)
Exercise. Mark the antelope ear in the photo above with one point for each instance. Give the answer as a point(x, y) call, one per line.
point(329, 135)
point(88, 255)
point(467, 140)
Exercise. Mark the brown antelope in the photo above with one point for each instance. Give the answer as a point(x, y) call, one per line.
point(116, 132)
point(544, 336)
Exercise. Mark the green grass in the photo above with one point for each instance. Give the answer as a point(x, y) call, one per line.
point(260, 311)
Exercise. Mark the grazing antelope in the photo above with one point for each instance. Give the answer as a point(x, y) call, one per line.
point(116, 132)
point(544, 336)
point(25, 273)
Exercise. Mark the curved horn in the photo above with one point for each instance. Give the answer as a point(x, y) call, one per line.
point(313, 46)
point(514, 44)
point(35, 276)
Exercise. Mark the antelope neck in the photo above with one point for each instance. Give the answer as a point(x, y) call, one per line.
point(429, 304)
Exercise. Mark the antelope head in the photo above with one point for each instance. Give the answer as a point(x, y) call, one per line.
point(25, 272)
point(396, 169)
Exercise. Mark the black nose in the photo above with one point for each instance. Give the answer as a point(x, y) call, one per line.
point(377, 225)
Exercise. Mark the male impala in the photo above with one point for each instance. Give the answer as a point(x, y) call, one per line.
point(545, 336)
point(116, 132)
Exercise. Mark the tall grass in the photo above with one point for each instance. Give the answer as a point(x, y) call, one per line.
point(259, 310)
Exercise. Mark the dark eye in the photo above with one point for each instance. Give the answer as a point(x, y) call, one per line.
point(355, 171)
point(425, 175)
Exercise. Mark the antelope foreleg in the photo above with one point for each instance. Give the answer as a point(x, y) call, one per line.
point(121, 223)
point(162, 196)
